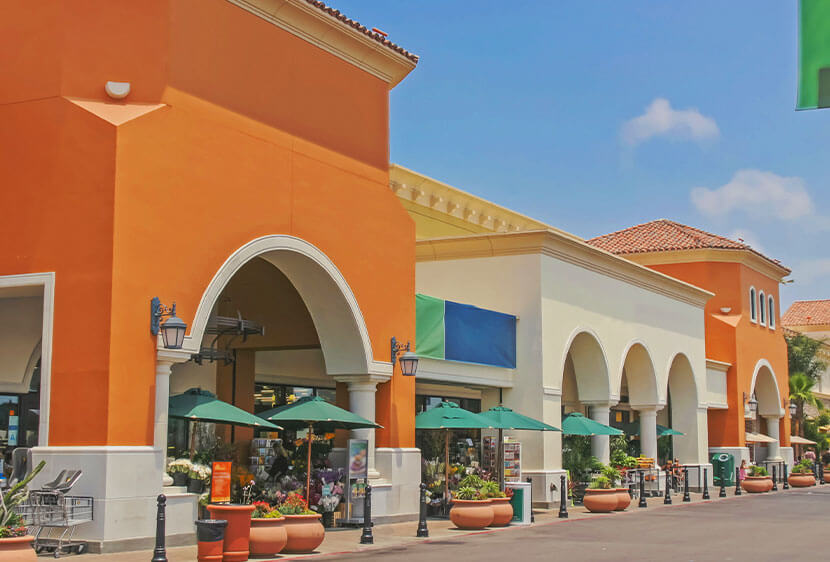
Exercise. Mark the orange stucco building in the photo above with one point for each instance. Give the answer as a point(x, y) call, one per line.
point(251, 130)
point(745, 347)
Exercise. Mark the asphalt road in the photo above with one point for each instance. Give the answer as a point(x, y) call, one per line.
point(786, 526)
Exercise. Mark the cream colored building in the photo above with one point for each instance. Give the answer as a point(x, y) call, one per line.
point(595, 332)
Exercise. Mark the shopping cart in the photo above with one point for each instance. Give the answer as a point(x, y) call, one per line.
point(52, 518)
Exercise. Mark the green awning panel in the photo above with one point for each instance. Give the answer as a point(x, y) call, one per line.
point(429, 327)
point(814, 54)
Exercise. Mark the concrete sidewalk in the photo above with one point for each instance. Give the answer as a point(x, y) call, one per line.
point(341, 541)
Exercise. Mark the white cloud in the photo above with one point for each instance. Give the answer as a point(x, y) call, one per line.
point(660, 119)
point(810, 271)
point(747, 237)
point(758, 194)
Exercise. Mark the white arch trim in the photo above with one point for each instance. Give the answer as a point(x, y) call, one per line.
point(657, 400)
point(283, 243)
point(613, 396)
point(758, 366)
point(700, 393)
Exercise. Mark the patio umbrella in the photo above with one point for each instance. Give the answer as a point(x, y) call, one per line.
point(504, 418)
point(313, 412)
point(577, 424)
point(662, 431)
point(446, 416)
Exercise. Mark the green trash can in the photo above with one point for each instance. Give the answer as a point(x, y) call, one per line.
point(723, 465)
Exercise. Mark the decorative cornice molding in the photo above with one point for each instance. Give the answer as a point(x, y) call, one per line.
point(565, 248)
point(324, 31)
point(717, 365)
point(748, 258)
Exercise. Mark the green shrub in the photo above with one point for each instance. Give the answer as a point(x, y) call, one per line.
point(758, 471)
point(804, 467)
point(611, 473)
point(471, 481)
point(600, 483)
point(490, 490)
point(467, 493)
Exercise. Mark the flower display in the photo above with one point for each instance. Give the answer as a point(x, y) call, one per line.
point(180, 466)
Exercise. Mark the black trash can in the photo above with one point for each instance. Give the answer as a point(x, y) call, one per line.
point(210, 534)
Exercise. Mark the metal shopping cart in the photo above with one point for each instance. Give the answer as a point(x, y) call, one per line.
point(52, 518)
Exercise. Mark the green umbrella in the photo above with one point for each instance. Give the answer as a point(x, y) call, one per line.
point(504, 418)
point(314, 412)
point(446, 416)
point(634, 429)
point(196, 404)
point(577, 424)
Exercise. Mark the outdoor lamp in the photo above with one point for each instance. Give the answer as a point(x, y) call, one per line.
point(753, 405)
point(409, 361)
point(173, 329)
point(793, 409)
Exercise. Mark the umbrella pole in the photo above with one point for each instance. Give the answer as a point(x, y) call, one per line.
point(447, 468)
point(500, 457)
point(192, 438)
point(308, 469)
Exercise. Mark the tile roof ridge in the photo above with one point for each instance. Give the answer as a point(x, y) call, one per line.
point(627, 229)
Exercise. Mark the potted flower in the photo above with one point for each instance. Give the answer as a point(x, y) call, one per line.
point(268, 535)
point(757, 480)
point(327, 506)
point(179, 470)
point(502, 509)
point(802, 475)
point(305, 533)
point(15, 543)
point(470, 510)
point(600, 497)
point(198, 474)
point(614, 478)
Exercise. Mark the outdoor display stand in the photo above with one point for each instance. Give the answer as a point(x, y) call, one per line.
point(358, 473)
point(512, 461)
point(521, 502)
point(262, 453)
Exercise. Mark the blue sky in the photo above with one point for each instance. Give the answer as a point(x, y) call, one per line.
point(597, 115)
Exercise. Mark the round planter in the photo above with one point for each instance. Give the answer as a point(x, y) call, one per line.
point(827, 475)
point(17, 549)
point(195, 486)
point(238, 531)
point(502, 512)
point(801, 480)
point(305, 533)
point(472, 514)
point(268, 536)
point(179, 478)
point(600, 500)
point(757, 484)
point(623, 499)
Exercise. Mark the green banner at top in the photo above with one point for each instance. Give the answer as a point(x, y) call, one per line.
point(814, 54)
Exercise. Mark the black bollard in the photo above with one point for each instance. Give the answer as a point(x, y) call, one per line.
point(159, 553)
point(774, 478)
point(686, 496)
point(422, 518)
point(786, 480)
point(705, 484)
point(563, 497)
point(722, 493)
point(737, 481)
point(820, 472)
point(667, 498)
point(366, 537)
point(530, 499)
point(643, 502)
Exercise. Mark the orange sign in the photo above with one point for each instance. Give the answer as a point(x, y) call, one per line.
point(220, 482)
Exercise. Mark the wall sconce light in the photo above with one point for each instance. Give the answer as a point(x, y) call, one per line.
point(750, 406)
point(409, 361)
point(793, 409)
point(173, 329)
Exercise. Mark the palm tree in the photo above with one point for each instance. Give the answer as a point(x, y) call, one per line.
point(801, 393)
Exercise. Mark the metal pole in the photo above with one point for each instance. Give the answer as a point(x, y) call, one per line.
point(563, 498)
point(774, 478)
point(667, 497)
point(422, 519)
point(530, 499)
point(705, 484)
point(786, 485)
point(737, 481)
point(159, 553)
point(722, 493)
point(686, 496)
point(820, 471)
point(366, 537)
point(643, 502)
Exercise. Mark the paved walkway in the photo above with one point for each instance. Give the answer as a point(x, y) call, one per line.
point(400, 537)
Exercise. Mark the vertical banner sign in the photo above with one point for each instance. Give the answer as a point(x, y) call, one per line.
point(358, 472)
point(12, 440)
point(813, 54)
point(220, 482)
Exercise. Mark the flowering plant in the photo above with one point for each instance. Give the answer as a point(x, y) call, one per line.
point(329, 503)
point(199, 472)
point(294, 504)
point(261, 509)
point(181, 466)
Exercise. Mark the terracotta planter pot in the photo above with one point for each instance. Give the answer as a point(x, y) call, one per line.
point(757, 484)
point(472, 514)
point(238, 531)
point(268, 536)
point(827, 475)
point(601, 500)
point(623, 499)
point(502, 512)
point(305, 533)
point(17, 549)
point(801, 480)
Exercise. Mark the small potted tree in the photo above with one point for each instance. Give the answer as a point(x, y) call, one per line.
point(502, 510)
point(268, 535)
point(302, 526)
point(757, 480)
point(600, 497)
point(802, 475)
point(615, 477)
point(15, 543)
point(470, 510)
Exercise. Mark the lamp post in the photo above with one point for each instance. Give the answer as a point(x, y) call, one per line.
point(408, 361)
point(172, 330)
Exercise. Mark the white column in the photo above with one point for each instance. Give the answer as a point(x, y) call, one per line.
point(648, 430)
point(773, 449)
point(165, 359)
point(362, 389)
point(601, 444)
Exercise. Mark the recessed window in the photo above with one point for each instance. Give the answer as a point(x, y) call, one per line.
point(753, 305)
point(762, 305)
point(772, 313)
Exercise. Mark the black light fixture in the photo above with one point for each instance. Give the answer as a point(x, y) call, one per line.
point(173, 329)
point(409, 361)
point(793, 409)
point(753, 405)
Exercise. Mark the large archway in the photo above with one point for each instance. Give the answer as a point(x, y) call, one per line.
point(684, 413)
point(767, 418)
point(639, 398)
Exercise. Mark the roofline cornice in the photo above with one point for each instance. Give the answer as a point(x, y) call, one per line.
point(565, 248)
point(309, 23)
point(721, 255)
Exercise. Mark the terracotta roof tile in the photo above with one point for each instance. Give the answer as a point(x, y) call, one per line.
point(664, 236)
point(807, 313)
point(379, 37)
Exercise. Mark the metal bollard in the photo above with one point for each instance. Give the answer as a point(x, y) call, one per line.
point(786, 485)
point(159, 553)
point(722, 493)
point(563, 497)
point(686, 496)
point(422, 518)
point(366, 537)
point(774, 478)
point(530, 481)
point(705, 484)
point(667, 498)
point(737, 481)
point(820, 472)
point(643, 502)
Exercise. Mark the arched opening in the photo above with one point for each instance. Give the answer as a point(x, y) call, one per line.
point(681, 413)
point(766, 419)
point(638, 398)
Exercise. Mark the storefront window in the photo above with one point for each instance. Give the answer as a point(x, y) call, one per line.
point(465, 444)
